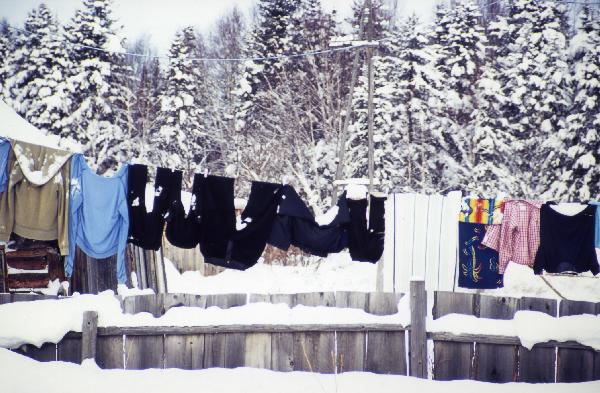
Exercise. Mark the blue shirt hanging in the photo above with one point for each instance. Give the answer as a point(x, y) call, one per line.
point(478, 264)
point(99, 218)
point(4, 150)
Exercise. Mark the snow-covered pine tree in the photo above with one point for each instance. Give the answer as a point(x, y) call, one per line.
point(6, 49)
point(97, 86)
point(181, 140)
point(582, 173)
point(460, 42)
point(423, 160)
point(44, 99)
point(533, 75)
point(147, 105)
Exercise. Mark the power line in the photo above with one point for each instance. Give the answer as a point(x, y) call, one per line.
point(215, 59)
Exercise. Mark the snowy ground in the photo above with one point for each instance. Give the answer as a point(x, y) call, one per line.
point(61, 377)
point(336, 273)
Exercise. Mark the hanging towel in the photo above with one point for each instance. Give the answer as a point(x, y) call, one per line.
point(481, 211)
point(99, 218)
point(366, 242)
point(249, 241)
point(566, 242)
point(295, 225)
point(35, 204)
point(478, 264)
point(184, 230)
point(4, 152)
point(217, 212)
point(518, 237)
point(146, 228)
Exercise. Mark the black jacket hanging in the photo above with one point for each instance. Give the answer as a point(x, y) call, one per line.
point(366, 243)
point(217, 212)
point(295, 225)
point(183, 230)
point(247, 244)
point(146, 228)
point(566, 242)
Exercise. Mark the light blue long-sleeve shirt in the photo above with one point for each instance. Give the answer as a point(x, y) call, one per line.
point(98, 219)
point(597, 228)
point(4, 150)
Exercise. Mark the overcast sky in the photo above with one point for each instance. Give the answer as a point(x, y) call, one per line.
point(162, 18)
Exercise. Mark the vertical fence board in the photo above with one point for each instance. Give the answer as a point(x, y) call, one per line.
point(5, 298)
point(191, 300)
point(142, 352)
point(496, 363)
point(386, 353)
point(109, 352)
point(432, 256)
point(453, 360)
point(69, 350)
point(597, 354)
point(258, 350)
point(258, 298)
point(45, 353)
point(235, 348)
point(347, 299)
point(350, 351)
point(226, 300)
point(89, 335)
point(214, 350)
point(418, 333)
point(285, 298)
point(184, 351)
point(538, 364)
point(153, 304)
point(387, 268)
point(420, 214)
point(575, 365)
point(313, 351)
point(404, 236)
point(382, 303)
point(449, 240)
point(313, 299)
point(282, 351)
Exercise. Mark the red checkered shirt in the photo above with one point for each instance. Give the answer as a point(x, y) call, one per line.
point(517, 239)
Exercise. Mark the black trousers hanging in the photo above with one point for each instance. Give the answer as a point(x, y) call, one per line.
point(183, 230)
point(365, 243)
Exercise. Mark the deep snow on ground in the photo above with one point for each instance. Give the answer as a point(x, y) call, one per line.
point(336, 273)
point(62, 377)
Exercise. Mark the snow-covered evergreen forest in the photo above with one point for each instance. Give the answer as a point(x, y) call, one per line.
point(492, 96)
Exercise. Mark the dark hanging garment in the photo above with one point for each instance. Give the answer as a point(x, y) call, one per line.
point(566, 242)
point(365, 243)
point(248, 243)
point(184, 230)
point(478, 263)
point(217, 213)
point(295, 225)
point(146, 228)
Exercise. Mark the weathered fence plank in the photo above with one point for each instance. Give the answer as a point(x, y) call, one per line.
point(575, 365)
point(89, 333)
point(285, 298)
point(496, 363)
point(282, 351)
point(109, 352)
point(537, 365)
point(453, 360)
point(45, 353)
point(259, 298)
point(69, 350)
point(142, 352)
point(235, 348)
point(184, 351)
point(257, 350)
point(153, 304)
point(418, 334)
point(226, 300)
point(350, 351)
point(313, 299)
point(347, 299)
point(597, 354)
point(314, 351)
point(214, 350)
point(5, 298)
point(382, 303)
point(386, 353)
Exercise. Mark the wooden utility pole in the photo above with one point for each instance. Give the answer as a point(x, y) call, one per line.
point(370, 95)
point(344, 131)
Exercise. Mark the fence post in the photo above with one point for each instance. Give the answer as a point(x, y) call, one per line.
point(418, 337)
point(89, 331)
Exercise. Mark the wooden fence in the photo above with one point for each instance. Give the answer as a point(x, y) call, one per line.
point(336, 348)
